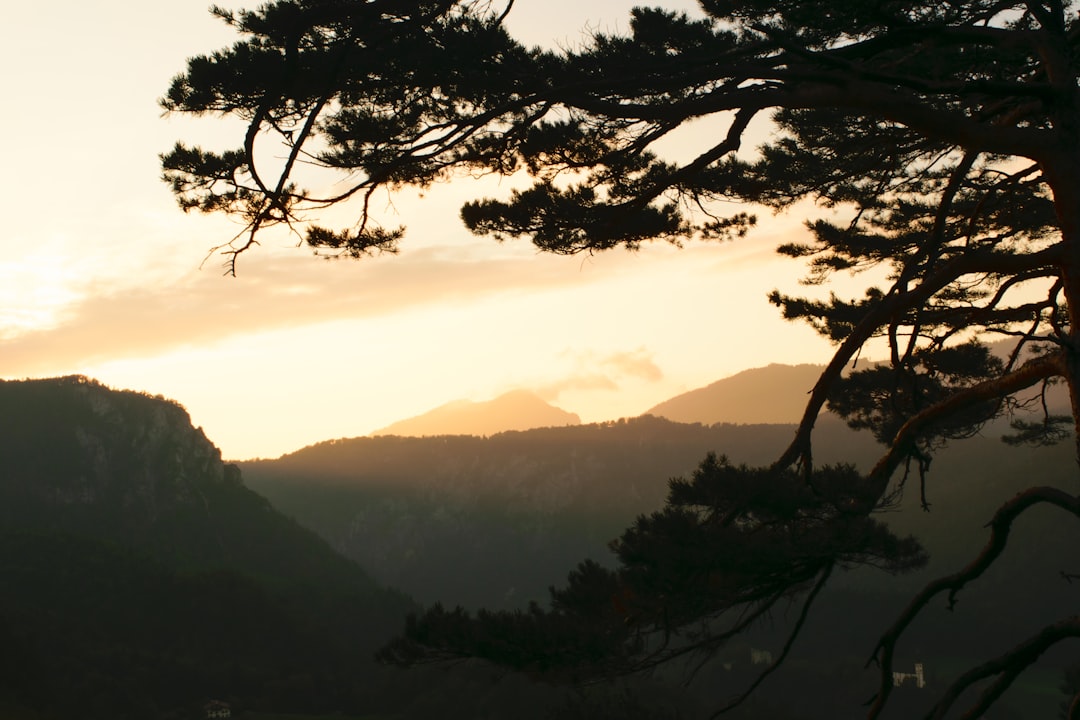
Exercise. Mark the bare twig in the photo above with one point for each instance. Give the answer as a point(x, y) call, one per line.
point(795, 630)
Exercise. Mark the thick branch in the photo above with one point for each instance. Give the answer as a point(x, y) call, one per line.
point(802, 89)
point(1000, 527)
point(897, 302)
point(1023, 377)
point(837, 60)
point(1007, 667)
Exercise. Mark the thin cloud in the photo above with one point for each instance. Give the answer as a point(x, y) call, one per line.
point(635, 364)
point(551, 392)
point(276, 292)
point(617, 368)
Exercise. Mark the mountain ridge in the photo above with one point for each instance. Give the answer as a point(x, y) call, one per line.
point(775, 393)
point(513, 410)
point(772, 394)
point(142, 577)
point(480, 520)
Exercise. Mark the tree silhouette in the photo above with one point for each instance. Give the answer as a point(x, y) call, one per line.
point(940, 142)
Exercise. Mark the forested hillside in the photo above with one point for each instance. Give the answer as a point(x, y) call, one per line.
point(144, 577)
point(492, 522)
point(141, 578)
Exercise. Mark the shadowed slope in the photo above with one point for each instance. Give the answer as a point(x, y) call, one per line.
point(142, 577)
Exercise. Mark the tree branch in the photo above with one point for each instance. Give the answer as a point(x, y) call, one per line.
point(1023, 377)
point(795, 630)
point(893, 303)
point(1000, 527)
point(1007, 667)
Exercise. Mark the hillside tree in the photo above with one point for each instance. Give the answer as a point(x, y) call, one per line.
point(941, 139)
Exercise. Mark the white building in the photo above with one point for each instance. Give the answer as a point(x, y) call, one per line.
point(899, 678)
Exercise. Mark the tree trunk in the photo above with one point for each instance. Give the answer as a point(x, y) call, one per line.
point(1064, 178)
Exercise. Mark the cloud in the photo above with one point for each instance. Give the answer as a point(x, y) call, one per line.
point(635, 364)
point(279, 291)
point(620, 366)
point(594, 381)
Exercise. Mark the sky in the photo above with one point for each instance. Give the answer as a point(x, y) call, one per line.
point(102, 274)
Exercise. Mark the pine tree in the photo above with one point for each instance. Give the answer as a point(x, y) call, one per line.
point(942, 139)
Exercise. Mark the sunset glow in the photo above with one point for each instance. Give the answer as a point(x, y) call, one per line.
point(101, 274)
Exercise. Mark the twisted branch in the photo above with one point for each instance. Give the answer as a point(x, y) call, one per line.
point(1000, 527)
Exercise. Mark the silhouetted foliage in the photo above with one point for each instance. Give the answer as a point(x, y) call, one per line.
point(677, 570)
point(939, 140)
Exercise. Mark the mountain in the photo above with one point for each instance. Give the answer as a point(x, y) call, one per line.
point(128, 469)
point(488, 520)
point(773, 394)
point(494, 521)
point(515, 410)
point(778, 393)
point(142, 578)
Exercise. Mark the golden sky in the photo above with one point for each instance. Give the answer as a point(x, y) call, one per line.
point(102, 274)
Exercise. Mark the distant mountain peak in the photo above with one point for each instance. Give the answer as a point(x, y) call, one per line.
point(513, 410)
point(773, 394)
